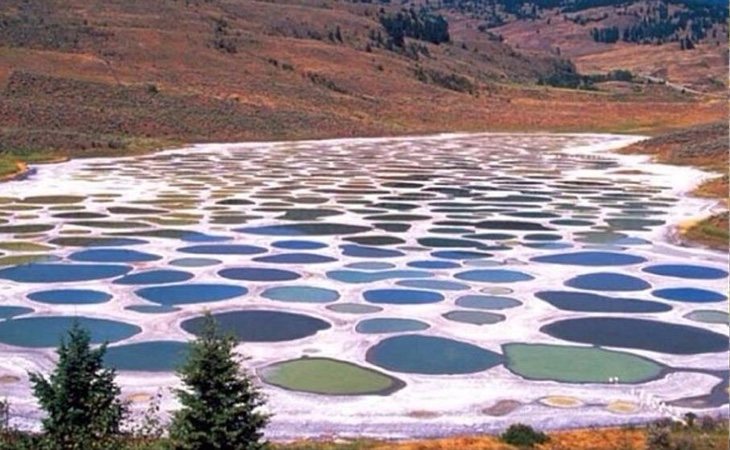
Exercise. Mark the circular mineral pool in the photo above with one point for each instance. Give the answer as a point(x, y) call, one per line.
point(571, 364)
point(436, 285)
point(7, 312)
point(329, 377)
point(370, 265)
point(70, 296)
point(359, 251)
point(295, 258)
point(152, 309)
point(493, 276)
point(261, 325)
point(686, 271)
point(161, 276)
point(303, 294)
point(358, 277)
point(709, 316)
point(195, 262)
point(353, 308)
point(298, 245)
point(587, 302)
point(689, 295)
point(258, 274)
point(431, 355)
point(62, 273)
point(81, 241)
point(474, 317)
point(113, 255)
point(591, 258)
point(389, 325)
point(48, 331)
point(487, 302)
point(222, 249)
point(460, 254)
point(149, 356)
point(182, 294)
point(305, 229)
point(607, 282)
point(433, 264)
point(511, 225)
point(402, 296)
point(638, 333)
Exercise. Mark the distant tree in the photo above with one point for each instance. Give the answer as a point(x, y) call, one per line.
point(80, 398)
point(220, 404)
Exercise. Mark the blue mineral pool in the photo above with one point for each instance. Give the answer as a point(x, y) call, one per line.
point(433, 264)
point(390, 325)
point(62, 273)
point(70, 296)
point(48, 331)
point(487, 302)
point(303, 294)
point(638, 333)
point(686, 271)
point(161, 276)
point(262, 325)
point(105, 255)
point(402, 296)
point(258, 274)
point(306, 229)
point(435, 285)
point(295, 258)
point(222, 249)
point(474, 317)
point(588, 302)
point(182, 294)
point(357, 277)
point(689, 295)
point(431, 355)
point(360, 251)
point(148, 356)
point(6, 312)
point(591, 258)
point(299, 245)
point(494, 276)
point(607, 282)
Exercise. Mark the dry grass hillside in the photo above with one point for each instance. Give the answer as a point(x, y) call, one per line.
point(117, 76)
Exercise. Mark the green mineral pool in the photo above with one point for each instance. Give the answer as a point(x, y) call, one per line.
point(571, 364)
point(329, 377)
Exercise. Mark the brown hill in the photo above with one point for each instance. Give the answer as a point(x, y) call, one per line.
point(111, 76)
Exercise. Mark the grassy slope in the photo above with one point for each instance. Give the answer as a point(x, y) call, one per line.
point(89, 77)
point(706, 147)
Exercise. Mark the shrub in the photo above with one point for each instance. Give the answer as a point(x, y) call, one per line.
point(522, 435)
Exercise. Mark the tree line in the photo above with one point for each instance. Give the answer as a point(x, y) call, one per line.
point(221, 408)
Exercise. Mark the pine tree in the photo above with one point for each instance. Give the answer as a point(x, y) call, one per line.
point(221, 405)
point(80, 398)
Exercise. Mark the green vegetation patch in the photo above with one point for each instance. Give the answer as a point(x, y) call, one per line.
point(329, 377)
point(573, 364)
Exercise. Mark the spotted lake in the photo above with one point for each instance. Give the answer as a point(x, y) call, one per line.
point(396, 287)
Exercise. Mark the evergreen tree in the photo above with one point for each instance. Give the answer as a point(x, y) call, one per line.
point(80, 397)
point(221, 405)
